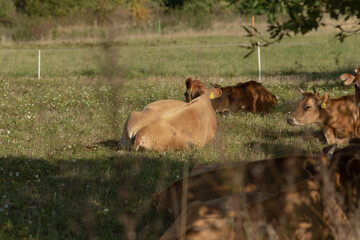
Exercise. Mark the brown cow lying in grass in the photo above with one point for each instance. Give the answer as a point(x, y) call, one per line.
point(250, 96)
point(266, 176)
point(170, 125)
point(337, 118)
point(315, 208)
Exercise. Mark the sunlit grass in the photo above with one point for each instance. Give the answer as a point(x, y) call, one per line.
point(61, 175)
point(59, 158)
point(172, 58)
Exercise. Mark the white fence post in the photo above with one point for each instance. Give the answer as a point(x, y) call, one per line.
point(39, 64)
point(259, 61)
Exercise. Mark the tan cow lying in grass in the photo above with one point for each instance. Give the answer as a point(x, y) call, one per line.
point(170, 125)
point(266, 176)
point(337, 118)
point(138, 120)
point(315, 208)
point(250, 96)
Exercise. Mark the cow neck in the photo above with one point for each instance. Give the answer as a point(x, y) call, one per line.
point(357, 95)
point(202, 99)
point(323, 113)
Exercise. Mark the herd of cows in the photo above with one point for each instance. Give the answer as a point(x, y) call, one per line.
point(172, 124)
point(293, 197)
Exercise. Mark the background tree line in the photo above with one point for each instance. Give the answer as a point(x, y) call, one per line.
point(283, 17)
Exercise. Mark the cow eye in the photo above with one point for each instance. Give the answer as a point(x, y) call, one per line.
point(307, 107)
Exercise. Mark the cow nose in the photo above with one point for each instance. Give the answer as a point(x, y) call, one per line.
point(290, 121)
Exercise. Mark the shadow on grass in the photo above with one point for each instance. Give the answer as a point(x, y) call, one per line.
point(110, 144)
point(276, 149)
point(104, 198)
point(308, 76)
point(297, 132)
point(271, 145)
point(308, 135)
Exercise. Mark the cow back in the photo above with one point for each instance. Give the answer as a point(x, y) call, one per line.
point(249, 96)
point(271, 176)
point(192, 124)
point(149, 114)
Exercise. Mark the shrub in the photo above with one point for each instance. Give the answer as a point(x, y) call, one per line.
point(6, 7)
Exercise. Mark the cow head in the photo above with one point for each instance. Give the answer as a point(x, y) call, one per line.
point(350, 79)
point(308, 109)
point(195, 88)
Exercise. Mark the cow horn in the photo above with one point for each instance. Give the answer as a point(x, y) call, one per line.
point(314, 90)
point(330, 153)
point(301, 91)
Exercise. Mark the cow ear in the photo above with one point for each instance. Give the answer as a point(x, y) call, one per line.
point(322, 101)
point(215, 93)
point(311, 167)
point(326, 97)
point(348, 78)
point(188, 82)
point(353, 168)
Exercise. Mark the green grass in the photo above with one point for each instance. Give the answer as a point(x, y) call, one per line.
point(167, 57)
point(61, 175)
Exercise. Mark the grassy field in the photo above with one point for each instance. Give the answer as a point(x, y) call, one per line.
point(61, 174)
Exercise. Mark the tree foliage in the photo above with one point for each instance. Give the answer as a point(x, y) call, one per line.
point(6, 7)
point(303, 16)
point(63, 8)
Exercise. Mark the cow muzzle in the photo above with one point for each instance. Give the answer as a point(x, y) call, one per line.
point(291, 121)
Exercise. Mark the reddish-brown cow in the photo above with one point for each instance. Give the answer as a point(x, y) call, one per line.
point(266, 176)
point(250, 96)
point(316, 208)
point(337, 118)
